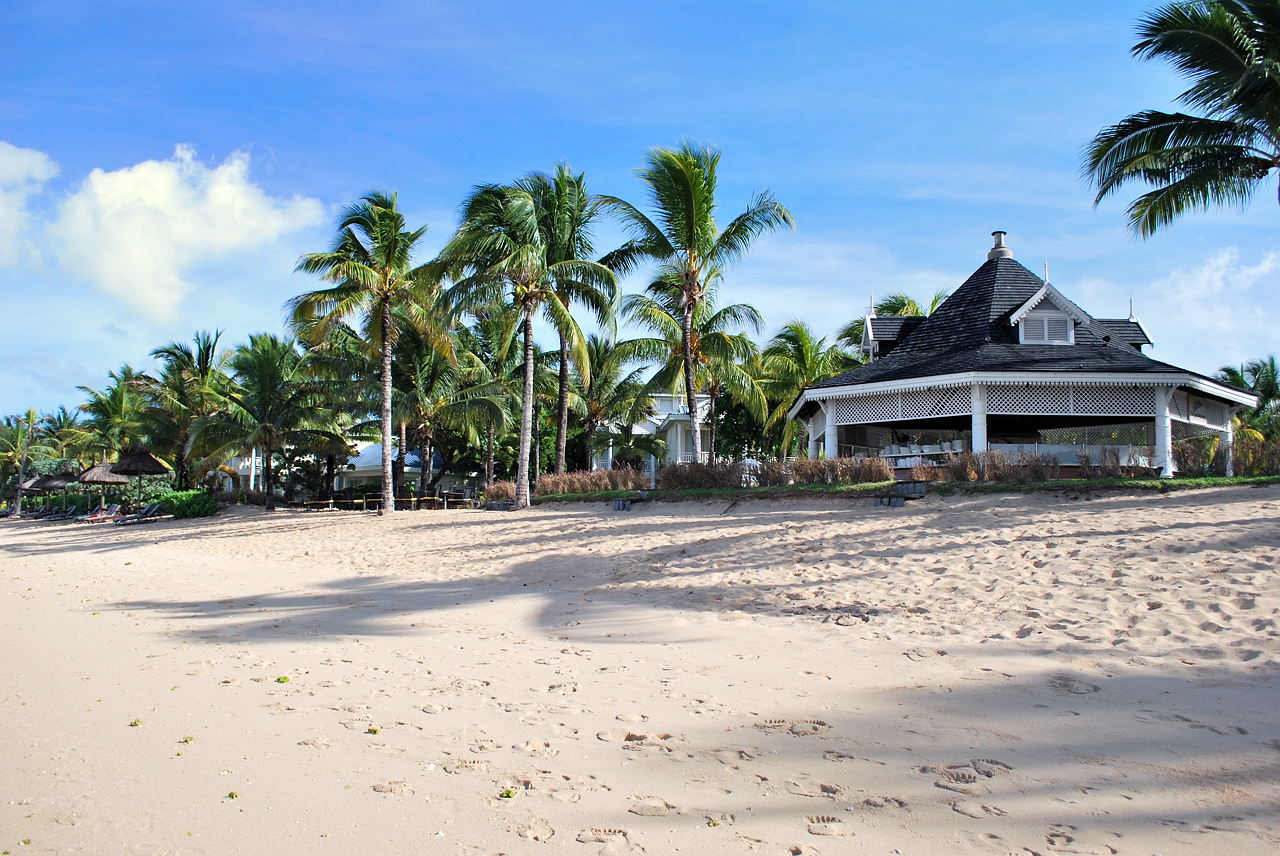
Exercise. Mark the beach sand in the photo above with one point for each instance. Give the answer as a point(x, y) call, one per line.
point(991, 674)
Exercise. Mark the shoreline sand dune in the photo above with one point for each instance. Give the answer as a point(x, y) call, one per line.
point(998, 674)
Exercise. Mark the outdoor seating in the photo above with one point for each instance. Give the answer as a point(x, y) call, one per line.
point(463, 498)
point(63, 515)
point(109, 513)
point(147, 515)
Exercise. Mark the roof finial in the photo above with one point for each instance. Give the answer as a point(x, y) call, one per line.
point(1046, 271)
point(1130, 308)
point(871, 305)
point(999, 251)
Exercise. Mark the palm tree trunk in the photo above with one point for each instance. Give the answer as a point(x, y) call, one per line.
point(22, 465)
point(526, 414)
point(388, 488)
point(424, 474)
point(562, 414)
point(488, 459)
point(268, 480)
point(330, 472)
point(537, 446)
point(686, 344)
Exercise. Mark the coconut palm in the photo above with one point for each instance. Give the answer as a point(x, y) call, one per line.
point(1262, 378)
point(685, 241)
point(192, 379)
point(22, 439)
point(569, 211)
point(502, 252)
point(274, 402)
point(372, 270)
point(116, 414)
point(609, 394)
point(794, 359)
point(708, 340)
point(1230, 49)
point(64, 434)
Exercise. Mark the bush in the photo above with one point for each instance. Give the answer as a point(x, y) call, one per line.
point(773, 474)
point(591, 481)
point(1255, 456)
point(189, 503)
point(1194, 456)
point(500, 491)
point(696, 475)
point(825, 471)
point(1038, 468)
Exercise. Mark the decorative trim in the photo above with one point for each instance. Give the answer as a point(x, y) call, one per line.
point(1055, 297)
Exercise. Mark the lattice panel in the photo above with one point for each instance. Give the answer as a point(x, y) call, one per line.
point(819, 422)
point(1114, 401)
point(925, 403)
point(1035, 400)
point(869, 408)
point(1215, 414)
point(1179, 407)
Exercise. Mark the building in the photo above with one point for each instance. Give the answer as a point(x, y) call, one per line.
point(670, 423)
point(1009, 362)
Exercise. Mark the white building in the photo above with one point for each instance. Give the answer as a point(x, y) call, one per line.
point(670, 423)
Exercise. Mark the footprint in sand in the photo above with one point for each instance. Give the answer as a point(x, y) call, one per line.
point(481, 746)
point(536, 829)
point(537, 747)
point(803, 786)
point(885, 802)
point(795, 727)
point(966, 778)
point(825, 824)
point(653, 807)
point(434, 708)
point(616, 841)
point(838, 756)
point(919, 654)
point(979, 811)
point(1069, 684)
point(466, 765)
point(397, 788)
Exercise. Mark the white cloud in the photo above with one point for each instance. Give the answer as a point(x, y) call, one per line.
point(23, 173)
point(137, 233)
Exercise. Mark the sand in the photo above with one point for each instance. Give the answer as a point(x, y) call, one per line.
point(1004, 674)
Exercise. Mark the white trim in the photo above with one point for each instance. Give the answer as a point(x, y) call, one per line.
point(1057, 298)
point(1146, 379)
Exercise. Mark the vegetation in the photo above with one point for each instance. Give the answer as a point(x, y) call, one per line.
point(1221, 153)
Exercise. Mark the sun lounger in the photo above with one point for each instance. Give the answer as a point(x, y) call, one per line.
point(463, 498)
point(147, 515)
point(111, 512)
point(64, 515)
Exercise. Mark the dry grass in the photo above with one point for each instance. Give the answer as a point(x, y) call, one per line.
point(591, 481)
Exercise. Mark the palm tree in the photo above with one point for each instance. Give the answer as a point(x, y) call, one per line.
point(794, 359)
point(21, 439)
point(688, 246)
point(116, 420)
point(64, 434)
point(502, 252)
point(190, 386)
point(569, 211)
point(273, 403)
point(371, 266)
point(609, 394)
point(1230, 49)
point(1262, 378)
point(704, 340)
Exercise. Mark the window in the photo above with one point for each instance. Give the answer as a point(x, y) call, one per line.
point(1047, 328)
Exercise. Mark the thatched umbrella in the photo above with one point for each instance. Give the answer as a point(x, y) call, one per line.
point(102, 475)
point(138, 463)
point(60, 481)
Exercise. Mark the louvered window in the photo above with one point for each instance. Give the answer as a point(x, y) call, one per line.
point(1047, 328)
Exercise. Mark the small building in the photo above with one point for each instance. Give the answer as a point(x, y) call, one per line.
point(1009, 362)
point(670, 423)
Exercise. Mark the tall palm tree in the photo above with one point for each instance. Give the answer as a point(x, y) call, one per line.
point(192, 379)
point(569, 211)
point(502, 252)
point(64, 434)
point(273, 403)
point(794, 359)
point(609, 394)
point(895, 303)
point(704, 340)
point(22, 439)
point(372, 270)
point(685, 240)
point(1230, 49)
point(116, 414)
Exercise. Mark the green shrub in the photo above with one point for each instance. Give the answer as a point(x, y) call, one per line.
point(189, 503)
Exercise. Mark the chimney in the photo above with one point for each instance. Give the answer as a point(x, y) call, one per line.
point(999, 251)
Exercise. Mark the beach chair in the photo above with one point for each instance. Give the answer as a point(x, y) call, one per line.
point(146, 515)
point(64, 515)
point(111, 512)
point(463, 498)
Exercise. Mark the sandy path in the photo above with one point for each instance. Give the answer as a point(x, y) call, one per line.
point(770, 678)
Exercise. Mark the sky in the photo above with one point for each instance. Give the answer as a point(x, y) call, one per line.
point(164, 165)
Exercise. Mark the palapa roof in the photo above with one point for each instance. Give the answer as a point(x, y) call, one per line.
point(139, 462)
point(971, 332)
point(101, 474)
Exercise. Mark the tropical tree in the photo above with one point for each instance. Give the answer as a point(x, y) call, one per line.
point(191, 382)
point(708, 340)
point(502, 252)
point(1262, 378)
point(64, 434)
point(1230, 50)
point(371, 266)
point(794, 359)
point(274, 402)
point(21, 440)
point(569, 211)
point(609, 394)
point(684, 240)
point(116, 415)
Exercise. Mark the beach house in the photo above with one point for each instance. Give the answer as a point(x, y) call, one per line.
point(670, 423)
point(1008, 362)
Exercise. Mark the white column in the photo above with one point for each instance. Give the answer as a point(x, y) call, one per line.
point(608, 456)
point(1226, 445)
point(1164, 432)
point(832, 439)
point(253, 467)
point(813, 438)
point(978, 393)
point(679, 443)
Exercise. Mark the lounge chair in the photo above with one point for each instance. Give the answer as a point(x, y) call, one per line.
point(146, 515)
point(63, 515)
point(111, 512)
point(464, 498)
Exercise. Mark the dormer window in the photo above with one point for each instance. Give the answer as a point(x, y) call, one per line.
point(1047, 328)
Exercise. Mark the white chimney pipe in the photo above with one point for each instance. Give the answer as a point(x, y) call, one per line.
point(999, 251)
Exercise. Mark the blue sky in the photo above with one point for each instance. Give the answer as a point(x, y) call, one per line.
point(163, 165)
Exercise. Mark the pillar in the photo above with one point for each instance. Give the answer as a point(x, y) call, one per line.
point(832, 438)
point(813, 438)
point(679, 444)
point(1164, 432)
point(978, 393)
point(1226, 445)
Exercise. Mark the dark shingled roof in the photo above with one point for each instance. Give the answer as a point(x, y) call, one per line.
point(970, 332)
point(1124, 331)
point(891, 328)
